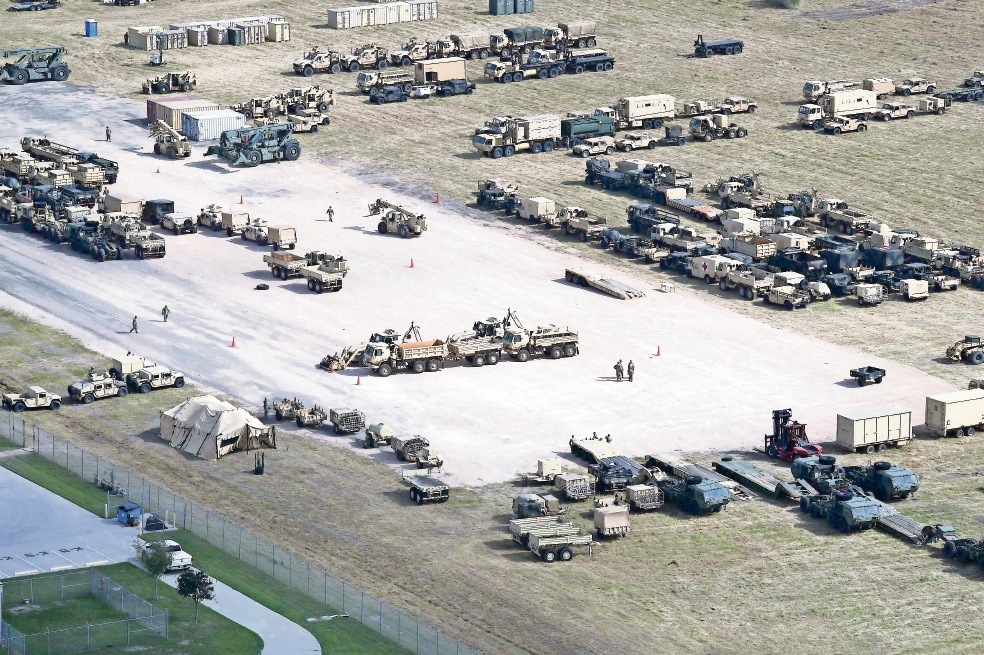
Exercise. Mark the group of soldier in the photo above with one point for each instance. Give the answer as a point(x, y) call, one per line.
point(620, 371)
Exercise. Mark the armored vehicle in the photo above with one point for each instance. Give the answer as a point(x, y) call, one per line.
point(287, 410)
point(388, 93)
point(450, 88)
point(497, 193)
point(821, 472)
point(154, 377)
point(370, 55)
point(970, 349)
point(884, 480)
point(695, 495)
point(915, 85)
point(34, 398)
point(427, 489)
point(154, 210)
point(377, 434)
point(736, 105)
point(312, 417)
point(211, 217)
point(632, 140)
point(309, 97)
point(254, 145)
point(844, 510)
point(255, 230)
point(398, 219)
point(595, 146)
point(347, 421)
point(148, 244)
point(715, 126)
point(319, 60)
point(868, 294)
point(95, 386)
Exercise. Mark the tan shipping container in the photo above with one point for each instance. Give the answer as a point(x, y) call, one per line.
point(116, 204)
point(439, 70)
point(218, 35)
point(874, 429)
point(173, 111)
point(253, 33)
point(278, 31)
point(955, 414)
point(790, 240)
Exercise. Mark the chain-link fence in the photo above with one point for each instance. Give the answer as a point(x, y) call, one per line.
point(142, 618)
point(249, 548)
point(14, 428)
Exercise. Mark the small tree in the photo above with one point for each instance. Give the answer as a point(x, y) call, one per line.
point(154, 558)
point(197, 586)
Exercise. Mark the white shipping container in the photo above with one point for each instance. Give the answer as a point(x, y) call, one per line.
point(368, 16)
point(403, 9)
point(171, 112)
point(790, 240)
point(278, 31)
point(955, 414)
point(208, 125)
point(423, 9)
point(218, 36)
point(871, 430)
point(392, 12)
point(255, 32)
point(346, 18)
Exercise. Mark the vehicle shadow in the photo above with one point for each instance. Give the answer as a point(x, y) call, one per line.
point(212, 166)
point(847, 382)
point(258, 275)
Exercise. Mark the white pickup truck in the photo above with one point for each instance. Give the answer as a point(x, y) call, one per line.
point(179, 559)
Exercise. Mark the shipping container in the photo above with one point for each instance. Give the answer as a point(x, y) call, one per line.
point(790, 240)
point(392, 13)
point(236, 36)
point(501, 7)
point(439, 70)
point(342, 19)
point(218, 35)
point(253, 33)
point(118, 204)
point(171, 111)
point(874, 429)
point(153, 102)
point(523, 7)
point(955, 414)
point(278, 31)
point(423, 9)
point(197, 37)
point(403, 9)
point(208, 125)
point(142, 38)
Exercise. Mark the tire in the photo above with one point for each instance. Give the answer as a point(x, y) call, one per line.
point(384, 370)
point(319, 286)
point(19, 76)
point(121, 392)
point(970, 431)
point(497, 152)
point(837, 131)
point(869, 449)
point(542, 73)
point(145, 388)
point(59, 73)
point(553, 73)
point(548, 146)
point(478, 360)
point(492, 358)
point(433, 365)
point(335, 68)
point(556, 352)
point(864, 128)
point(523, 355)
point(549, 556)
point(886, 117)
point(253, 158)
point(418, 366)
point(570, 350)
point(292, 151)
point(741, 133)
point(976, 358)
point(609, 150)
point(314, 129)
point(381, 228)
point(354, 67)
point(708, 138)
point(19, 407)
point(578, 69)
point(309, 71)
point(509, 151)
point(413, 495)
point(179, 382)
point(228, 231)
point(566, 554)
point(537, 148)
point(805, 504)
point(772, 452)
point(404, 232)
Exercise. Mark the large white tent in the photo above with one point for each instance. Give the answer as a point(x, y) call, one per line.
point(210, 428)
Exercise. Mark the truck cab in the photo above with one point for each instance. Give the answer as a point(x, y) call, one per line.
point(811, 116)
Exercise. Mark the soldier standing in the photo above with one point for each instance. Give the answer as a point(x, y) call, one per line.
point(618, 371)
point(109, 134)
point(165, 313)
point(133, 328)
point(266, 409)
point(331, 214)
point(631, 370)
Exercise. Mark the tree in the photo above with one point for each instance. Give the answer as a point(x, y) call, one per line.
point(197, 586)
point(154, 558)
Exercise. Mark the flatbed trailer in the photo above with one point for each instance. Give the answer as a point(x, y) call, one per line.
point(551, 548)
point(899, 525)
point(426, 488)
point(611, 287)
point(285, 265)
point(694, 208)
point(683, 469)
point(521, 529)
point(751, 476)
point(593, 450)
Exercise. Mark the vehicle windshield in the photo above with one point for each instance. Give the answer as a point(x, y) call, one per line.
point(716, 493)
point(491, 67)
point(809, 87)
point(905, 479)
point(804, 109)
point(481, 140)
point(694, 123)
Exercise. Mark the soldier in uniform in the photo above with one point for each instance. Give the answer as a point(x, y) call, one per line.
point(109, 134)
point(133, 328)
point(618, 371)
point(165, 313)
point(266, 408)
point(631, 370)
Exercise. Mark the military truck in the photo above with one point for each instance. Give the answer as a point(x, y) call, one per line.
point(369, 55)
point(413, 50)
point(152, 377)
point(479, 346)
point(347, 421)
point(515, 40)
point(813, 89)
point(211, 217)
point(538, 64)
point(737, 105)
point(885, 481)
point(526, 506)
point(398, 219)
point(377, 434)
point(844, 509)
point(309, 97)
point(715, 126)
point(34, 64)
point(970, 349)
point(646, 112)
point(319, 60)
point(370, 81)
point(178, 81)
point(252, 146)
point(148, 244)
point(167, 141)
point(868, 294)
point(820, 472)
point(287, 265)
point(312, 417)
point(580, 34)
point(552, 340)
point(695, 495)
point(324, 272)
point(841, 124)
point(611, 518)
point(33, 398)
point(256, 231)
point(419, 356)
point(95, 386)
point(859, 104)
point(751, 282)
point(179, 223)
point(503, 136)
point(426, 489)
point(469, 46)
point(597, 145)
point(406, 448)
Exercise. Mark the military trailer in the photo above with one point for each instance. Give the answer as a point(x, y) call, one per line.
point(955, 414)
point(551, 548)
point(428, 458)
point(707, 49)
point(868, 375)
point(574, 486)
point(520, 529)
point(95, 386)
point(868, 294)
point(580, 34)
point(426, 489)
point(282, 236)
point(643, 497)
point(325, 273)
point(347, 421)
point(588, 59)
point(965, 550)
point(885, 481)
point(611, 520)
point(33, 398)
point(479, 346)
point(377, 434)
point(286, 265)
point(406, 448)
point(152, 377)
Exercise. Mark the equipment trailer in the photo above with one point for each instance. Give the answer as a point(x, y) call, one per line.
point(611, 287)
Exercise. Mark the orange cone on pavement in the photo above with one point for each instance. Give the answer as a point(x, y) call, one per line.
point(411, 262)
point(240, 200)
point(438, 199)
point(233, 342)
point(657, 351)
point(358, 380)
point(331, 367)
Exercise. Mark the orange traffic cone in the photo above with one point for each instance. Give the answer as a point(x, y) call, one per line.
point(240, 200)
point(657, 351)
point(438, 200)
point(331, 367)
point(411, 262)
point(358, 380)
point(233, 342)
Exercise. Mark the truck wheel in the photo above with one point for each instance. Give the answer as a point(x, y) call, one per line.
point(772, 452)
point(578, 69)
point(548, 146)
point(121, 392)
point(88, 399)
point(492, 358)
point(570, 350)
point(404, 231)
point(553, 72)
point(556, 352)
point(508, 151)
point(319, 287)
point(433, 365)
point(537, 147)
point(335, 68)
point(878, 380)
point(861, 382)
point(19, 407)
point(381, 227)
point(970, 431)
point(497, 153)
point(413, 495)
point(384, 370)
point(566, 554)
point(549, 556)
point(478, 360)
point(253, 158)
point(741, 133)
point(523, 355)
point(542, 73)
point(418, 366)
point(354, 67)
point(864, 128)
point(870, 449)
point(976, 357)
point(292, 151)
point(310, 285)
point(817, 125)
point(805, 504)
point(145, 388)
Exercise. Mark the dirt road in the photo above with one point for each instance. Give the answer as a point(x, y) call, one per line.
point(716, 379)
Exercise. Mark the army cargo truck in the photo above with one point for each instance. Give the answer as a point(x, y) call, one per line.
point(33, 398)
point(751, 283)
point(643, 497)
point(813, 89)
point(479, 346)
point(580, 34)
point(859, 104)
point(885, 481)
point(287, 265)
point(374, 81)
point(611, 520)
point(152, 377)
point(955, 414)
point(574, 486)
point(552, 340)
point(515, 40)
point(426, 488)
point(419, 356)
point(695, 495)
point(406, 448)
point(646, 112)
point(504, 136)
point(577, 128)
point(844, 510)
point(95, 386)
point(282, 236)
point(872, 430)
point(346, 421)
point(756, 247)
point(470, 46)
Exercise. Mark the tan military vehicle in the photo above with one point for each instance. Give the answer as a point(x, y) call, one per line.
point(611, 517)
point(428, 458)
point(308, 120)
point(842, 124)
point(377, 434)
point(578, 222)
point(148, 244)
point(256, 230)
point(95, 386)
point(168, 141)
point(868, 294)
point(574, 486)
point(268, 107)
point(286, 409)
point(737, 105)
point(635, 140)
point(398, 220)
point(326, 273)
point(413, 50)
point(695, 108)
point(234, 222)
point(310, 417)
point(34, 398)
point(914, 289)
point(553, 341)
point(369, 55)
point(282, 236)
point(537, 210)
point(184, 81)
point(643, 497)
point(319, 60)
point(406, 448)
point(915, 85)
point(211, 217)
point(309, 97)
point(154, 377)
point(596, 145)
point(179, 223)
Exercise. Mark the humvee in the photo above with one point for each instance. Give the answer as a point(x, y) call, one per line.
point(154, 377)
point(34, 398)
point(96, 385)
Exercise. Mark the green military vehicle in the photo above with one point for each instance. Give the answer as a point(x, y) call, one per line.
point(883, 480)
point(694, 494)
point(965, 550)
point(822, 473)
point(531, 505)
point(844, 509)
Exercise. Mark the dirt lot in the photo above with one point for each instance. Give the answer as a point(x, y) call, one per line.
point(732, 583)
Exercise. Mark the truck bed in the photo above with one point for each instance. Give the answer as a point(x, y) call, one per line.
point(611, 287)
point(695, 208)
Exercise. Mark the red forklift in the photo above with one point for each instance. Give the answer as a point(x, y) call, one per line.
point(788, 440)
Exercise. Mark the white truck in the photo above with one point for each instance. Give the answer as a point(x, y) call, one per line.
point(955, 414)
point(503, 136)
point(537, 210)
point(179, 559)
point(839, 104)
point(711, 268)
point(179, 223)
point(646, 112)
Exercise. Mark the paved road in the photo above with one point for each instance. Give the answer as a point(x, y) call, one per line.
point(280, 636)
point(42, 532)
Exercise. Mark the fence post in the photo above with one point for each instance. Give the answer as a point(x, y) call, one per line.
point(206, 525)
point(273, 558)
point(240, 542)
point(309, 577)
point(326, 590)
point(167, 622)
point(256, 551)
point(380, 617)
point(88, 639)
point(128, 633)
point(223, 533)
point(362, 604)
point(49, 641)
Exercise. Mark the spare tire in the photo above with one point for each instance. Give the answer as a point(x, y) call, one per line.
point(843, 495)
point(882, 466)
point(262, 287)
point(827, 460)
point(693, 479)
